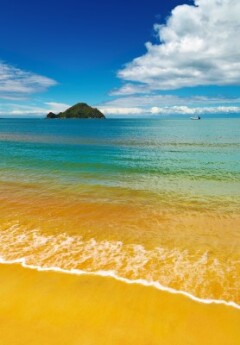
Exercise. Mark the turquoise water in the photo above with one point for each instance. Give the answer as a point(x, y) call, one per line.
point(197, 157)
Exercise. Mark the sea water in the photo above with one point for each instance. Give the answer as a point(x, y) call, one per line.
point(151, 201)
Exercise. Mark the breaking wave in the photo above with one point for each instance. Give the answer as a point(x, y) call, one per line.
point(199, 275)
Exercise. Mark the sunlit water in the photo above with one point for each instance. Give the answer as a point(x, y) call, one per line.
point(150, 200)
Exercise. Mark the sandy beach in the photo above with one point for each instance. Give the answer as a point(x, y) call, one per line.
point(56, 308)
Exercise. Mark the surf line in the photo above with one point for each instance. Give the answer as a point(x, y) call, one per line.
point(112, 274)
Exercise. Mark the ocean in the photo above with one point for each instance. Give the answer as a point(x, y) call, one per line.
point(152, 202)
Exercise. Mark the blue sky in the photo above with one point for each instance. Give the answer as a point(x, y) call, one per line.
point(129, 58)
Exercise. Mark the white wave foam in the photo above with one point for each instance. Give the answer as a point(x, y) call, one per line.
point(111, 274)
point(194, 274)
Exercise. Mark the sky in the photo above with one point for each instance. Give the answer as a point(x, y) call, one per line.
point(128, 58)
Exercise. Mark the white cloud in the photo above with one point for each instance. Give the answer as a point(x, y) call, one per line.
point(169, 104)
point(32, 110)
point(169, 110)
point(129, 89)
point(16, 83)
point(153, 100)
point(108, 110)
point(185, 110)
point(198, 45)
point(57, 107)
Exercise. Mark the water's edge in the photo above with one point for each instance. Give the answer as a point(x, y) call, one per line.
point(110, 274)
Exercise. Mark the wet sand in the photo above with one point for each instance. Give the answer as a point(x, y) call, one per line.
point(56, 308)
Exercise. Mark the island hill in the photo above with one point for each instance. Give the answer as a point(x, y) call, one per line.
point(78, 111)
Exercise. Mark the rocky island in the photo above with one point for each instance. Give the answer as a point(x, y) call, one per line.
point(78, 111)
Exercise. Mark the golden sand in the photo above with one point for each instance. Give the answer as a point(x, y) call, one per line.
point(56, 308)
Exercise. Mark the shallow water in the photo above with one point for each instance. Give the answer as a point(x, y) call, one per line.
point(150, 200)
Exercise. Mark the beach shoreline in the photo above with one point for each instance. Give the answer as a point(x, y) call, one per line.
point(54, 308)
point(113, 275)
point(131, 231)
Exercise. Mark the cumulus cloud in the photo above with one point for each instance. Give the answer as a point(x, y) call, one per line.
point(198, 45)
point(16, 83)
point(169, 104)
point(185, 110)
point(111, 110)
point(169, 110)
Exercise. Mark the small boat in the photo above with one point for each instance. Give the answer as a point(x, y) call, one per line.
point(195, 118)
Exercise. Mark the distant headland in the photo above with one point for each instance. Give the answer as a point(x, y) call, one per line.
point(78, 111)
